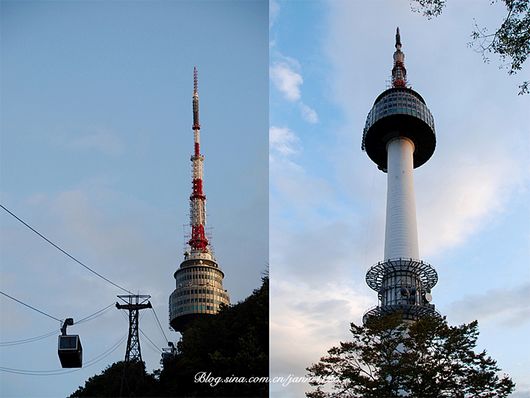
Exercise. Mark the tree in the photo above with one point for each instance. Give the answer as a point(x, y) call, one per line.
point(511, 41)
point(121, 379)
point(427, 358)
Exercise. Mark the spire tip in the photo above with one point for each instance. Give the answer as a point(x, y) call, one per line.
point(399, 73)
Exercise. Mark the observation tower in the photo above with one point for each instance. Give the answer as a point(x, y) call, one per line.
point(399, 137)
point(199, 291)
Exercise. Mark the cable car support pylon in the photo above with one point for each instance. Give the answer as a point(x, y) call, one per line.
point(133, 303)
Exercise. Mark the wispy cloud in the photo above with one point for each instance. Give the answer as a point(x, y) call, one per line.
point(286, 77)
point(459, 199)
point(283, 141)
point(308, 113)
point(286, 80)
point(510, 306)
point(306, 322)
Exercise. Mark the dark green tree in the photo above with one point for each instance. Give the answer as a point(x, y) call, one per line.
point(120, 379)
point(510, 41)
point(427, 358)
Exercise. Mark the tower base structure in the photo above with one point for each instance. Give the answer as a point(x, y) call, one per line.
point(402, 285)
point(199, 290)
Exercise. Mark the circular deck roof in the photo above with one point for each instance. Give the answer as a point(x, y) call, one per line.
point(399, 112)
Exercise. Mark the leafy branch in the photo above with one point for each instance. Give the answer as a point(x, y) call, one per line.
point(511, 41)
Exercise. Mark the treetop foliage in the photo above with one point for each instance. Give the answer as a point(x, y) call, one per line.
point(426, 358)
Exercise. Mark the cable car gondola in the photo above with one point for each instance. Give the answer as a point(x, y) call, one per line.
point(69, 348)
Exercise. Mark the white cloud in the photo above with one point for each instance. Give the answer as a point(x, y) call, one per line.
point(285, 77)
point(286, 80)
point(305, 323)
point(283, 141)
point(510, 306)
point(459, 199)
point(308, 113)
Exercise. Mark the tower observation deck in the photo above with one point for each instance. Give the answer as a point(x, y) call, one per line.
point(399, 136)
point(199, 291)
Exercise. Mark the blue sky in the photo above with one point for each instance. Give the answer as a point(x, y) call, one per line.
point(328, 63)
point(95, 153)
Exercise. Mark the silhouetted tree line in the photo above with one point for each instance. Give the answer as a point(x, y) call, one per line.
point(233, 344)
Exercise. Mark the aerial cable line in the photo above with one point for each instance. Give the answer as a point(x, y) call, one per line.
point(56, 372)
point(159, 325)
point(151, 341)
point(54, 332)
point(29, 306)
point(63, 251)
point(88, 318)
point(29, 339)
point(95, 314)
point(106, 353)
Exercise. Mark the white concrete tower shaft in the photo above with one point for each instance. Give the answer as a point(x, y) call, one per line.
point(401, 235)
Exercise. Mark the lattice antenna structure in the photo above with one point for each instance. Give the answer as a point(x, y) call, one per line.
point(198, 241)
point(133, 304)
point(399, 136)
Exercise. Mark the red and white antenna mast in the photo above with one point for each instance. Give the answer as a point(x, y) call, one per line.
point(198, 241)
point(399, 73)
